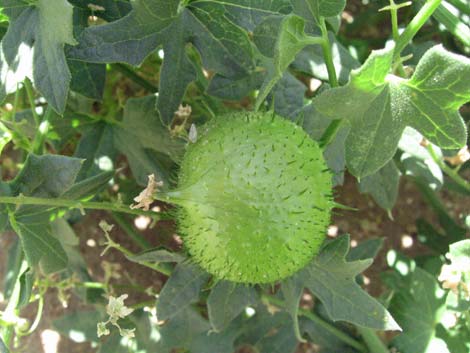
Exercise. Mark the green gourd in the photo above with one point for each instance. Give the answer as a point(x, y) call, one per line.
point(254, 197)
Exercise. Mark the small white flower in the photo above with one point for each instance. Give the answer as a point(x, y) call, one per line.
point(101, 329)
point(450, 277)
point(116, 308)
point(127, 333)
point(183, 111)
point(105, 226)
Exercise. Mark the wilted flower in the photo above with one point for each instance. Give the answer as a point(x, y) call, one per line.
point(145, 198)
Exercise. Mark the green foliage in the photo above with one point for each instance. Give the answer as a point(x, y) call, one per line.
point(243, 114)
point(226, 301)
point(37, 29)
point(332, 279)
point(181, 290)
point(418, 308)
point(379, 106)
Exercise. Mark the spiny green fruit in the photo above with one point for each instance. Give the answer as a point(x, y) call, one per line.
point(255, 198)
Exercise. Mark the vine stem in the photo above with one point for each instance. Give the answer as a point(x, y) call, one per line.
point(58, 202)
point(393, 8)
point(134, 77)
point(327, 54)
point(373, 342)
point(42, 131)
point(324, 324)
point(448, 170)
point(129, 254)
point(414, 26)
point(334, 126)
point(30, 93)
point(136, 236)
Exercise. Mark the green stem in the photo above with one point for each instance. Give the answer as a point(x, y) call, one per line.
point(326, 47)
point(30, 92)
point(373, 342)
point(11, 116)
point(136, 236)
point(154, 266)
point(41, 133)
point(451, 173)
point(12, 310)
point(37, 319)
point(58, 202)
point(330, 132)
point(461, 6)
point(394, 20)
point(319, 321)
point(432, 198)
point(125, 70)
point(414, 26)
point(334, 126)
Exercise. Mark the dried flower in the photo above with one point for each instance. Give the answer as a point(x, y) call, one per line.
point(145, 198)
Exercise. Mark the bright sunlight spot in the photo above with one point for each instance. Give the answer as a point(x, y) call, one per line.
point(50, 341)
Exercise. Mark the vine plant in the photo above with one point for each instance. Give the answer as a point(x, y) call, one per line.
point(103, 102)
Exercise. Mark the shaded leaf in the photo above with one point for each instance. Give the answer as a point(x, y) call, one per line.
point(226, 301)
point(249, 14)
point(382, 185)
point(291, 39)
point(87, 78)
point(113, 9)
point(234, 88)
point(269, 332)
point(146, 142)
point(181, 289)
point(223, 46)
point(46, 176)
point(287, 95)
point(96, 147)
point(129, 39)
point(332, 280)
point(176, 72)
point(417, 161)
point(79, 326)
point(292, 290)
point(221, 342)
point(327, 342)
point(181, 330)
point(366, 249)
point(319, 8)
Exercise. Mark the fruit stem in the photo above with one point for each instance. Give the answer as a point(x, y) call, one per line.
point(58, 202)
